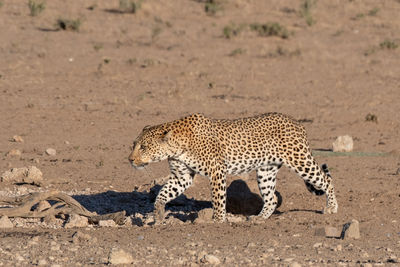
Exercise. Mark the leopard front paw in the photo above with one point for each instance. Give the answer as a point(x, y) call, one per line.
point(330, 210)
point(219, 218)
point(159, 212)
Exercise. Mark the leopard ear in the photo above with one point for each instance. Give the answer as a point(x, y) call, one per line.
point(166, 136)
point(146, 127)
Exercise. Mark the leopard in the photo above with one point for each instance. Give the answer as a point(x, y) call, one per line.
point(215, 148)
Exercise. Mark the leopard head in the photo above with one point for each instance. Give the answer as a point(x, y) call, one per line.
point(150, 146)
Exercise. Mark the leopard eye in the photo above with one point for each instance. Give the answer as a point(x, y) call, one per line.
point(142, 147)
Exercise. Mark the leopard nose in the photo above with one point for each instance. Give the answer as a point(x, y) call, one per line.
point(130, 158)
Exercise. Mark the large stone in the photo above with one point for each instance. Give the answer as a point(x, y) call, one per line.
point(75, 220)
point(351, 230)
point(33, 176)
point(241, 200)
point(119, 256)
point(343, 144)
point(204, 215)
point(29, 175)
point(5, 223)
point(328, 231)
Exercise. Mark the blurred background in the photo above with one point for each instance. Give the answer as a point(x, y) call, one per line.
point(84, 77)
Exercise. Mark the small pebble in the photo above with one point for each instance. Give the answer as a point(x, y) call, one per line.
point(42, 262)
point(75, 220)
point(317, 245)
point(17, 139)
point(15, 153)
point(107, 223)
point(119, 256)
point(211, 259)
point(51, 152)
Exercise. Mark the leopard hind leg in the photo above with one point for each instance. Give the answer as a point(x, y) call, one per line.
point(312, 189)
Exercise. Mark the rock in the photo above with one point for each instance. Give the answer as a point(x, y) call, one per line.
point(43, 205)
point(128, 221)
point(173, 220)
point(51, 152)
point(34, 176)
point(235, 219)
point(317, 245)
point(204, 215)
point(288, 259)
point(256, 220)
point(241, 200)
point(15, 153)
point(251, 245)
point(5, 223)
point(137, 221)
point(201, 255)
point(149, 220)
point(107, 223)
point(19, 257)
point(54, 246)
point(351, 230)
point(78, 237)
point(33, 241)
point(29, 175)
point(119, 256)
point(210, 259)
point(328, 231)
point(295, 264)
point(17, 139)
point(343, 144)
point(42, 262)
point(50, 219)
point(178, 262)
point(75, 220)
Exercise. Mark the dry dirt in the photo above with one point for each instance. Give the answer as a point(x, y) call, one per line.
point(88, 94)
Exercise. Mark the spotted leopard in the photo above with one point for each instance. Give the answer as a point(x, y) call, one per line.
point(217, 147)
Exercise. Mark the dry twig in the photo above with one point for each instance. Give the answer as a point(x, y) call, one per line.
point(64, 204)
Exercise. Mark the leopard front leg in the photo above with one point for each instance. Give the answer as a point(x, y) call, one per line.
point(218, 194)
point(180, 179)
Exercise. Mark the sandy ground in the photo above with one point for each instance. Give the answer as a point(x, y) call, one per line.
point(88, 94)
